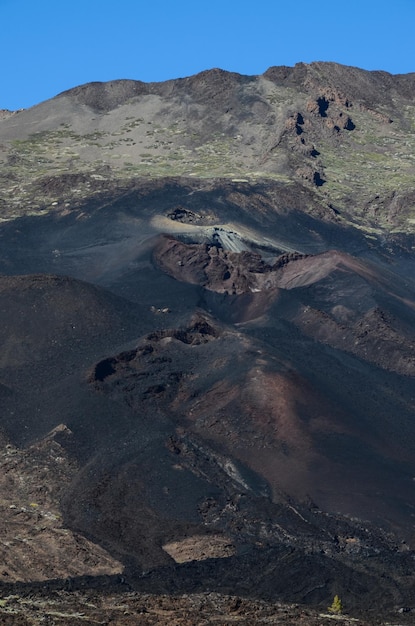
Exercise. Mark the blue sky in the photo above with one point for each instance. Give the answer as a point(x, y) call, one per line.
point(47, 47)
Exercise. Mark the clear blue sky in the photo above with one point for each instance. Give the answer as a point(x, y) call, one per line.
point(47, 47)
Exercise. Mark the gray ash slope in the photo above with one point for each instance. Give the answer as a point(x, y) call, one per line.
point(233, 355)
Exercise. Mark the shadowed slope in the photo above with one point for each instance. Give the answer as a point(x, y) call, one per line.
point(207, 314)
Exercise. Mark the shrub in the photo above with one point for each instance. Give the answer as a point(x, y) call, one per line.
point(336, 606)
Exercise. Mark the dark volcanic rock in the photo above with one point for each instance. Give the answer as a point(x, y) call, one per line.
point(214, 268)
point(207, 313)
point(103, 97)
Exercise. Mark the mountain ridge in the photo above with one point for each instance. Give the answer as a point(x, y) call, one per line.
point(297, 74)
point(288, 128)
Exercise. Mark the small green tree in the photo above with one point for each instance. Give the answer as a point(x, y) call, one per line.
point(336, 606)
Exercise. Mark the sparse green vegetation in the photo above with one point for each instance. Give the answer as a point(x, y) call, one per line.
point(375, 159)
point(336, 606)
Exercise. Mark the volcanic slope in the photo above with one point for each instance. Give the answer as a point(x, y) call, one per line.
point(221, 353)
point(339, 134)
